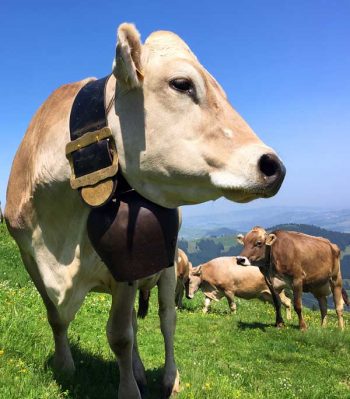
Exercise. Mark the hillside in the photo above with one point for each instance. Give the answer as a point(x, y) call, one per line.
point(219, 355)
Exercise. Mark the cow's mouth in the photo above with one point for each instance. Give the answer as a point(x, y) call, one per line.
point(246, 195)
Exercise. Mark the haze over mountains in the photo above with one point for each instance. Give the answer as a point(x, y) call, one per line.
point(209, 220)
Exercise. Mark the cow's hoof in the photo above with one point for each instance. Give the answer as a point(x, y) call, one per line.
point(143, 388)
point(280, 324)
point(171, 387)
point(64, 367)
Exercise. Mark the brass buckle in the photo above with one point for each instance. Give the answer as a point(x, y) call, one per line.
point(84, 141)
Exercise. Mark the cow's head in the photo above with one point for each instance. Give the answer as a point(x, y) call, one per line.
point(179, 140)
point(255, 243)
point(194, 281)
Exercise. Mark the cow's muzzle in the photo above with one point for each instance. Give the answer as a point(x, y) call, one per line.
point(273, 171)
point(242, 260)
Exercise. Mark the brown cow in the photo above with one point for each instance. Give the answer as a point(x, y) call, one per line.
point(223, 277)
point(306, 263)
point(183, 267)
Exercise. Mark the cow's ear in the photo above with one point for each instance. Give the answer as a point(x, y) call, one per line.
point(240, 238)
point(127, 62)
point(197, 271)
point(270, 239)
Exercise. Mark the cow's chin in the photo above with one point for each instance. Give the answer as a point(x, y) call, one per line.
point(242, 196)
point(256, 261)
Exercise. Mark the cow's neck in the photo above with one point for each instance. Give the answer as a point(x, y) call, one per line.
point(133, 236)
point(267, 265)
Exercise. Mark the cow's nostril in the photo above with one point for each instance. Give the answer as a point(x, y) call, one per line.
point(270, 165)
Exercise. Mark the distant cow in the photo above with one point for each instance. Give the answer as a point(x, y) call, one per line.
point(183, 267)
point(1, 215)
point(223, 277)
point(306, 263)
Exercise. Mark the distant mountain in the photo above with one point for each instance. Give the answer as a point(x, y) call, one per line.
point(243, 219)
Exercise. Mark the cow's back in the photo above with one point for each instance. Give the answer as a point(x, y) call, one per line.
point(315, 257)
point(227, 276)
point(40, 160)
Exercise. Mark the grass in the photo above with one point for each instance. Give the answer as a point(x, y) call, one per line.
point(219, 355)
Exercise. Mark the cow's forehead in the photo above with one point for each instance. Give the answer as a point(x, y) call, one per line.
point(256, 233)
point(167, 44)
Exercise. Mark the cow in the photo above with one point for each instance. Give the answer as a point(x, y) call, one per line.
point(179, 142)
point(306, 263)
point(224, 277)
point(183, 267)
point(1, 215)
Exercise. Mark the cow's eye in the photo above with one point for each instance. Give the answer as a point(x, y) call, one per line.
point(182, 84)
point(258, 243)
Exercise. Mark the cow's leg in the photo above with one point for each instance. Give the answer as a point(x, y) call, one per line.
point(276, 303)
point(63, 361)
point(322, 302)
point(120, 336)
point(297, 294)
point(336, 286)
point(207, 302)
point(179, 293)
point(231, 301)
point(167, 315)
point(137, 365)
point(287, 303)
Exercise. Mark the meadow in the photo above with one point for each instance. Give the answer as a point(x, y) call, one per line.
point(219, 355)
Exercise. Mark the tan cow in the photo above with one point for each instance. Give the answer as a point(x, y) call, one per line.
point(224, 277)
point(306, 263)
point(183, 267)
point(179, 142)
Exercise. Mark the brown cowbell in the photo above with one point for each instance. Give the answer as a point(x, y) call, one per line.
point(134, 237)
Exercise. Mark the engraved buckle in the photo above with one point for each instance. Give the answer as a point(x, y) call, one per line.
point(87, 139)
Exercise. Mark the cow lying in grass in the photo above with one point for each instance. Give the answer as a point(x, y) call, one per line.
point(224, 277)
point(306, 263)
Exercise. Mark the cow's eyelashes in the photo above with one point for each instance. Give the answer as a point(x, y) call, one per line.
point(183, 85)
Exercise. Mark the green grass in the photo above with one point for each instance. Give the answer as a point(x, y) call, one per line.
point(219, 355)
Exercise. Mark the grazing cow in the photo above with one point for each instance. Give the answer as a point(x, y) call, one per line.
point(224, 277)
point(306, 263)
point(179, 141)
point(183, 267)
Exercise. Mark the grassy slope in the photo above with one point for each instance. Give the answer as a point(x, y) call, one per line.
point(219, 355)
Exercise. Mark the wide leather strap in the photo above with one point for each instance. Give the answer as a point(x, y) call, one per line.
point(92, 152)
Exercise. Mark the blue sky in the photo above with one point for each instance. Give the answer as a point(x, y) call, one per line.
point(284, 65)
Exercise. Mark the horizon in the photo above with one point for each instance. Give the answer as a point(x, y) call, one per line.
point(284, 67)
